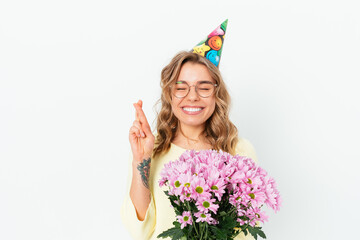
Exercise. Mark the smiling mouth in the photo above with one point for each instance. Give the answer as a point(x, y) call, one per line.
point(192, 109)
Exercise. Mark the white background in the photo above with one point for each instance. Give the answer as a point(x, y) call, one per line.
point(70, 71)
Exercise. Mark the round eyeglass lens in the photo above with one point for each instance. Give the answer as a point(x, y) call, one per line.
point(204, 89)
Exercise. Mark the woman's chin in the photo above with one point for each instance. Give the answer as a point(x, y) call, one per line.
point(192, 124)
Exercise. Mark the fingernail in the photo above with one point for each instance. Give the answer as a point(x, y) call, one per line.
point(142, 134)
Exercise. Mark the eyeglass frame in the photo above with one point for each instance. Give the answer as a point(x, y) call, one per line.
point(195, 85)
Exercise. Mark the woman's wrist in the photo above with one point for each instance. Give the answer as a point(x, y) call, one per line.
point(137, 161)
point(143, 169)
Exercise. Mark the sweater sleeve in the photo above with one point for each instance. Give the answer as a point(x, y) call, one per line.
point(245, 148)
point(139, 230)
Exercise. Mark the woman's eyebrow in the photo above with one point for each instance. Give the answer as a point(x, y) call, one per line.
point(200, 81)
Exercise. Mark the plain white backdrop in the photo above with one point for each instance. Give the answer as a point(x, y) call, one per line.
point(70, 71)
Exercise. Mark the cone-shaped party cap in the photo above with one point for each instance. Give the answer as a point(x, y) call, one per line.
point(211, 47)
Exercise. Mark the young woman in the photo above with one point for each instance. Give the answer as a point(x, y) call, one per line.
point(194, 115)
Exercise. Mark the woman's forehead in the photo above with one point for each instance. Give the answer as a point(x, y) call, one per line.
point(194, 72)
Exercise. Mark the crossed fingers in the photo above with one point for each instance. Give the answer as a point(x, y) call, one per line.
point(141, 123)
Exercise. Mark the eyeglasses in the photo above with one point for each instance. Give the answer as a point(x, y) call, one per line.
point(203, 88)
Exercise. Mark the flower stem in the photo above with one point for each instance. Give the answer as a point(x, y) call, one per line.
point(231, 211)
point(249, 218)
point(192, 216)
point(201, 231)
point(206, 230)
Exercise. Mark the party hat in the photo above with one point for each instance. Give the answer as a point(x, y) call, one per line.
point(211, 46)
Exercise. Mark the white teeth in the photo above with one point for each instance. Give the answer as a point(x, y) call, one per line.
point(192, 109)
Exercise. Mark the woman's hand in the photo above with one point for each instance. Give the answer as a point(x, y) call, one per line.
point(140, 135)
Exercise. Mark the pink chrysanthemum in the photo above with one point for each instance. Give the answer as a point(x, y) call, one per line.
point(199, 188)
point(204, 205)
point(273, 197)
point(205, 217)
point(185, 219)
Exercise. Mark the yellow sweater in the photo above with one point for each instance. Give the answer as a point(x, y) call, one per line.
point(160, 215)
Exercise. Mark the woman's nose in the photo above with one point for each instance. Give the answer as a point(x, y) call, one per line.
point(192, 95)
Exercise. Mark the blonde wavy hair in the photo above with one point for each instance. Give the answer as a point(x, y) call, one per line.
point(219, 130)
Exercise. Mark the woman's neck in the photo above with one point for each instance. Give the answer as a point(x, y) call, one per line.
point(191, 138)
point(192, 133)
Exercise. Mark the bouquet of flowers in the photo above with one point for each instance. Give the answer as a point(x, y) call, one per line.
point(216, 195)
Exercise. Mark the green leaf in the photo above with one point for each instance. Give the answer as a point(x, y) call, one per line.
point(219, 234)
point(177, 224)
point(174, 233)
point(228, 223)
point(255, 231)
point(168, 233)
point(262, 234)
point(223, 213)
